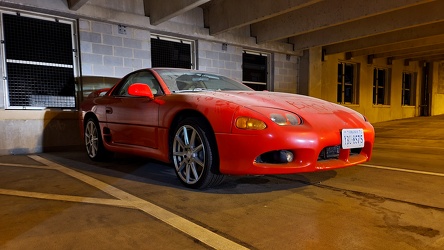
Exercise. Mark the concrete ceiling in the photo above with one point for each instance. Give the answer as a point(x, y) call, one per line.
point(411, 30)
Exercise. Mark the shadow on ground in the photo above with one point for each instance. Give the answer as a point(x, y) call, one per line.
point(157, 173)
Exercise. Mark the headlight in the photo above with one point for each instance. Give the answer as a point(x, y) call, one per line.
point(287, 119)
point(250, 123)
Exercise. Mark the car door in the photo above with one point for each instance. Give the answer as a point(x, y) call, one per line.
point(134, 120)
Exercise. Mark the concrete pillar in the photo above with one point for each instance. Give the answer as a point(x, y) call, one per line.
point(304, 64)
point(315, 72)
point(310, 78)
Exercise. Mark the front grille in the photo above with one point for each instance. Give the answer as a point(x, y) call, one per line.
point(332, 152)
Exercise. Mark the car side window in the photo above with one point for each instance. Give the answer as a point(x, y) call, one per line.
point(139, 77)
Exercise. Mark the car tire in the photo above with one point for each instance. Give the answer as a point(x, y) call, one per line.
point(93, 141)
point(194, 154)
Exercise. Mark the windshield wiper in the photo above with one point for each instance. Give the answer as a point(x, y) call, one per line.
point(195, 90)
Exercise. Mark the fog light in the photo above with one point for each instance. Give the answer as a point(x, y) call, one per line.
point(276, 157)
point(286, 156)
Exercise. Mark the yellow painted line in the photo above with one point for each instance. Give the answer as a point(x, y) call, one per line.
point(403, 170)
point(24, 165)
point(192, 229)
point(439, 243)
point(59, 197)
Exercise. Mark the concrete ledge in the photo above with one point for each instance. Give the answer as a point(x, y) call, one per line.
point(37, 131)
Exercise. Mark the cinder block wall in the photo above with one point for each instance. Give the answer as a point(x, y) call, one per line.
point(107, 52)
point(286, 73)
point(213, 58)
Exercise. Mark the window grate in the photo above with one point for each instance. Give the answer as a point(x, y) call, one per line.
point(39, 62)
point(170, 53)
point(51, 84)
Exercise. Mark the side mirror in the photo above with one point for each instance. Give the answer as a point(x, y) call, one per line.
point(140, 89)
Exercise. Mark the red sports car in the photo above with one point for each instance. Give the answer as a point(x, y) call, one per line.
point(209, 126)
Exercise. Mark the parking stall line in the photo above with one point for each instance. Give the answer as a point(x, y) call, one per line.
point(59, 197)
point(24, 166)
point(403, 170)
point(198, 232)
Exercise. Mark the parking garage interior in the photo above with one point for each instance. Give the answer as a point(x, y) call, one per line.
point(384, 59)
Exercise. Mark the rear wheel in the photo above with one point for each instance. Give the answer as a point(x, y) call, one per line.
point(93, 141)
point(194, 154)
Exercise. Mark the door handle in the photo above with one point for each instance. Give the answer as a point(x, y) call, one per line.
point(109, 110)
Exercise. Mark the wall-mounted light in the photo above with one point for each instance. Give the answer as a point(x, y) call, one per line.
point(224, 46)
point(389, 60)
point(370, 59)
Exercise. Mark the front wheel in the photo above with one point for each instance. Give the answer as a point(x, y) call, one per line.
point(194, 154)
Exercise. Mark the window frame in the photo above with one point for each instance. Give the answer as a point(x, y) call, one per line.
point(385, 87)
point(256, 84)
point(75, 59)
point(411, 90)
point(342, 84)
point(192, 44)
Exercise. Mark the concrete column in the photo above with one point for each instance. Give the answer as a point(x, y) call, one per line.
point(310, 78)
point(315, 72)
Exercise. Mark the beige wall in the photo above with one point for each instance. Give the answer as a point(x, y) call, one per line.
point(437, 93)
point(323, 84)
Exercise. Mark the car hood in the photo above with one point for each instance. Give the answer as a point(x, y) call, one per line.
point(317, 112)
point(296, 103)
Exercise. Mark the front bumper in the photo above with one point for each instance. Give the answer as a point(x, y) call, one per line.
point(238, 152)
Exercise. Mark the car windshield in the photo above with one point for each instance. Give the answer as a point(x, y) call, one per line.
point(191, 80)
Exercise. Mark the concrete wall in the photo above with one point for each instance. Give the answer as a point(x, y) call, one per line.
point(286, 71)
point(107, 55)
point(324, 85)
point(212, 58)
point(33, 131)
point(437, 90)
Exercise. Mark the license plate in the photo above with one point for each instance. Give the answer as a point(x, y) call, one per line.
point(352, 138)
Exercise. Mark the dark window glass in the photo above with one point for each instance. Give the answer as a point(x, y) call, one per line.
point(39, 62)
point(254, 71)
point(172, 54)
point(347, 83)
point(380, 86)
point(408, 97)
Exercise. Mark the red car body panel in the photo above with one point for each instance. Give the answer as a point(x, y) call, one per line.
point(139, 125)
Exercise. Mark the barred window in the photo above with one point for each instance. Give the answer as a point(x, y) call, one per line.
point(39, 67)
point(171, 52)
